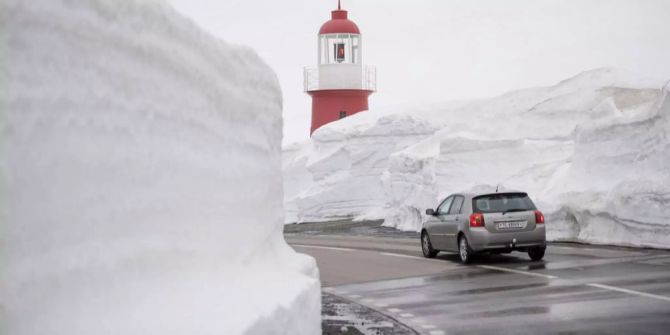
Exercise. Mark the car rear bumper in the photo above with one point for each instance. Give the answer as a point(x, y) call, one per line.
point(483, 240)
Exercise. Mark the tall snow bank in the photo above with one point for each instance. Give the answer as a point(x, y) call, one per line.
point(410, 184)
point(592, 151)
point(346, 160)
point(140, 181)
point(617, 186)
point(296, 177)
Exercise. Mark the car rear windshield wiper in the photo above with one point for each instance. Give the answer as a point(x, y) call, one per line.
point(515, 210)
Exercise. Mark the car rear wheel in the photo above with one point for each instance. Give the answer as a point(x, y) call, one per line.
point(536, 253)
point(426, 246)
point(464, 250)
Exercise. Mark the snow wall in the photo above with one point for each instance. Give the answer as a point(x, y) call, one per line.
point(592, 151)
point(140, 188)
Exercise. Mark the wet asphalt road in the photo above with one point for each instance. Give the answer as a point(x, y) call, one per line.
point(575, 289)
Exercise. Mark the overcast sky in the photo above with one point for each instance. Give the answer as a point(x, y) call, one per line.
point(431, 51)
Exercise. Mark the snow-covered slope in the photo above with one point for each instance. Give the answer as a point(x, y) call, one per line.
point(591, 150)
point(140, 178)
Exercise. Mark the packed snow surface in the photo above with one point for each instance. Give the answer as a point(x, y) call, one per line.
point(592, 151)
point(140, 179)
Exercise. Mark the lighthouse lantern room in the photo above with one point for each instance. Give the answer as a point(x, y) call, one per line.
point(340, 85)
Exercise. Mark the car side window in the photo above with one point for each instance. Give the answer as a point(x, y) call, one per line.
point(456, 205)
point(444, 206)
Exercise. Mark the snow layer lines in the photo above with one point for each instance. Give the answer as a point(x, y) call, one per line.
point(140, 179)
point(592, 150)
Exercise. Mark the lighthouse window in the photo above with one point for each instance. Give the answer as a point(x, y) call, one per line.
point(339, 52)
point(339, 49)
point(343, 114)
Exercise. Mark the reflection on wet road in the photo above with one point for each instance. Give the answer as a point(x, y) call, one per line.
point(576, 289)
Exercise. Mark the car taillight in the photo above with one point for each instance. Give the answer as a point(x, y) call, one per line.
point(477, 220)
point(539, 217)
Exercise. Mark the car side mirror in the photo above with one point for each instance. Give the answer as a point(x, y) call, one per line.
point(430, 212)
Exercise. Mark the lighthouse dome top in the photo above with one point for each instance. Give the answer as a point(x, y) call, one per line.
point(339, 24)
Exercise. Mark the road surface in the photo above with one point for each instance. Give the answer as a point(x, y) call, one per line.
point(575, 289)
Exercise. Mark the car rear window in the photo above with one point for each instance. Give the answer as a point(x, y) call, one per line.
point(501, 202)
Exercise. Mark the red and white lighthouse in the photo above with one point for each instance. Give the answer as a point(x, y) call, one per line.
point(340, 85)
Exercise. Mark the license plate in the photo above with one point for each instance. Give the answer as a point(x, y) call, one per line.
point(511, 225)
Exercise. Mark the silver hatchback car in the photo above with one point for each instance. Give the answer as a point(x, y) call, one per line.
point(474, 223)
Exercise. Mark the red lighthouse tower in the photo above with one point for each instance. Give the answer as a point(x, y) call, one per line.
point(340, 85)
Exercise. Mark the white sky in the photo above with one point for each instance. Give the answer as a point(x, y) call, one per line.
point(431, 51)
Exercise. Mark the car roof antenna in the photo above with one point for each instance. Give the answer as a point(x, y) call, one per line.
point(497, 186)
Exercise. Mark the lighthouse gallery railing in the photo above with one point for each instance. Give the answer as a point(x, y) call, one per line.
point(367, 80)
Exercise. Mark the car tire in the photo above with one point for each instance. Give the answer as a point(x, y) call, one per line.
point(536, 253)
point(426, 246)
point(465, 253)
